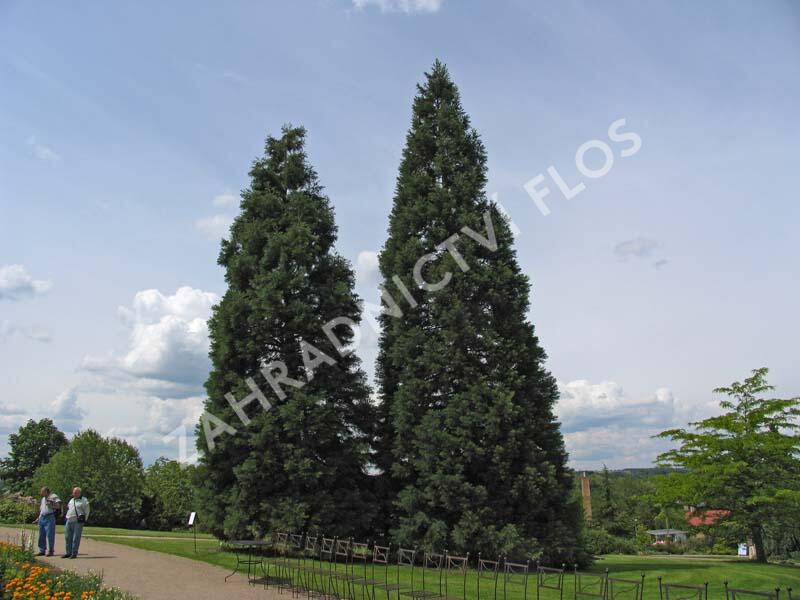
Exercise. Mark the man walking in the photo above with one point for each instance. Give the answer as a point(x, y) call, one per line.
point(77, 513)
point(47, 521)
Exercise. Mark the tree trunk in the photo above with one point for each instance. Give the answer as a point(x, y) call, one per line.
point(758, 542)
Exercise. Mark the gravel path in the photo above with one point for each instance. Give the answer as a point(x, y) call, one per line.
point(154, 575)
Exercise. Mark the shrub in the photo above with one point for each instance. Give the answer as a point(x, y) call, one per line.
point(16, 511)
point(722, 548)
point(669, 548)
point(599, 541)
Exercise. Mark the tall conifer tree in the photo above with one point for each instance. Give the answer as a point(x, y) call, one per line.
point(471, 451)
point(301, 464)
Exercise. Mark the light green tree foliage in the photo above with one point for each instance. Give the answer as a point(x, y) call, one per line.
point(108, 470)
point(169, 493)
point(746, 460)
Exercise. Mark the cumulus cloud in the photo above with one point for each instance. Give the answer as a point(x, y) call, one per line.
point(226, 199)
point(17, 284)
point(367, 269)
point(215, 227)
point(404, 6)
point(160, 372)
point(32, 332)
point(583, 404)
point(66, 413)
point(617, 446)
point(11, 423)
point(168, 343)
point(41, 151)
point(168, 429)
point(604, 424)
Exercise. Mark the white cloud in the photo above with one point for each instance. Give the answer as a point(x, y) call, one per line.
point(639, 247)
point(11, 409)
point(16, 283)
point(166, 415)
point(168, 430)
point(226, 199)
point(161, 369)
point(215, 227)
point(41, 151)
point(405, 6)
point(36, 333)
point(12, 417)
point(603, 424)
point(617, 447)
point(66, 413)
point(168, 340)
point(583, 404)
point(367, 269)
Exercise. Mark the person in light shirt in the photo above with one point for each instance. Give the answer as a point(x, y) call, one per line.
point(77, 513)
point(47, 521)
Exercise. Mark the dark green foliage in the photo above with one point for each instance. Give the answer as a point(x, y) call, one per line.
point(169, 494)
point(108, 470)
point(31, 447)
point(746, 460)
point(623, 499)
point(300, 465)
point(468, 440)
point(609, 510)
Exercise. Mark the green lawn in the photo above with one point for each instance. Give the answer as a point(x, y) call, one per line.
point(675, 569)
point(98, 532)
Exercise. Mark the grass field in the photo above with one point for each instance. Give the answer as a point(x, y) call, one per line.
point(101, 532)
point(673, 569)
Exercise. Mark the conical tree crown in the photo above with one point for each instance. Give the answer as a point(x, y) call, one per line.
point(469, 446)
point(299, 464)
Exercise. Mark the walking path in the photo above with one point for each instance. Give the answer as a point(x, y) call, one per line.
point(153, 575)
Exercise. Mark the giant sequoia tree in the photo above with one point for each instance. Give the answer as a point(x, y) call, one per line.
point(471, 451)
point(298, 464)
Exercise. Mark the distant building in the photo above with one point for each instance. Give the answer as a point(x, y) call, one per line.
point(663, 536)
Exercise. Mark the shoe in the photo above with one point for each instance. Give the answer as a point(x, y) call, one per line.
point(66, 556)
point(40, 554)
point(74, 556)
point(50, 553)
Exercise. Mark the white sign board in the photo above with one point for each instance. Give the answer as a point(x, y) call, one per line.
point(191, 518)
point(742, 550)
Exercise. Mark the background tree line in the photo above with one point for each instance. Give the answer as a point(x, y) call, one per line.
point(742, 466)
point(110, 472)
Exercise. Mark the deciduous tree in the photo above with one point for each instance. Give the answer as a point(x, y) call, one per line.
point(746, 460)
point(32, 446)
point(108, 470)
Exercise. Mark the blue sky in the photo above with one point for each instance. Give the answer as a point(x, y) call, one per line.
point(127, 131)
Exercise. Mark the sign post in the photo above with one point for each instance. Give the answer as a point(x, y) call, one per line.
point(193, 525)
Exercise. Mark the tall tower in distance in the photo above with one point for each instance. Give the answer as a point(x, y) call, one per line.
point(586, 494)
